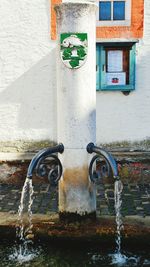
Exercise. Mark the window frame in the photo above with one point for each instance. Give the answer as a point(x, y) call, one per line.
point(101, 70)
point(108, 23)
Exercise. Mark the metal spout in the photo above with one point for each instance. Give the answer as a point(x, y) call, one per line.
point(91, 148)
point(42, 155)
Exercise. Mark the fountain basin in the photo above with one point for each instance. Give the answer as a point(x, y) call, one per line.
point(48, 228)
point(72, 255)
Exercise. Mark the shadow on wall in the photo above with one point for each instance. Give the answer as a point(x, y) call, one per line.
point(35, 94)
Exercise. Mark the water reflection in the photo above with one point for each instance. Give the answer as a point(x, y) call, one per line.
point(52, 256)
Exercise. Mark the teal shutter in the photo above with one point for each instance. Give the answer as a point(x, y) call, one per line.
point(97, 68)
point(101, 69)
point(132, 66)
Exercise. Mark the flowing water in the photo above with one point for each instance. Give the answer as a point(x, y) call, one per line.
point(24, 211)
point(118, 257)
point(28, 254)
point(81, 255)
point(23, 248)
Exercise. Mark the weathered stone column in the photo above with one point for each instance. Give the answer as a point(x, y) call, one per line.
point(76, 107)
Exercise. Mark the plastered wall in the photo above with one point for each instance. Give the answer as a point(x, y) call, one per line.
point(122, 117)
point(28, 80)
point(27, 71)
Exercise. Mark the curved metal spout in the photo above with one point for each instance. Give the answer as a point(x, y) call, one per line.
point(42, 154)
point(106, 155)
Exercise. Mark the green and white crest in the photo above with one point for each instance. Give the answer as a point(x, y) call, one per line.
point(73, 49)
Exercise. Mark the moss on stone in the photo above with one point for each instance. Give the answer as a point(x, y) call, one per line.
point(128, 145)
point(124, 172)
point(33, 146)
point(22, 146)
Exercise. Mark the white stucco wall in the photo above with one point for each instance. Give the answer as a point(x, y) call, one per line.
point(27, 71)
point(28, 80)
point(121, 117)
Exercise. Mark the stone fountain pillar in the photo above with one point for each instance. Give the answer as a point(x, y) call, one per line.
point(76, 105)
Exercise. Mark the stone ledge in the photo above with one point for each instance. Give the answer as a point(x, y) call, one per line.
point(49, 228)
point(16, 156)
point(24, 146)
point(128, 146)
point(120, 155)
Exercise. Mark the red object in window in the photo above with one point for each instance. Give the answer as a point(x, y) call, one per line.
point(115, 80)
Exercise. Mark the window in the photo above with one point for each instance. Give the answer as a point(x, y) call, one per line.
point(114, 12)
point(119, 10)
point(105, 10)
point(115, 66)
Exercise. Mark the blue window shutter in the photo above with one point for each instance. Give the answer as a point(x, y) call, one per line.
point(119, 10)
point(105, 10)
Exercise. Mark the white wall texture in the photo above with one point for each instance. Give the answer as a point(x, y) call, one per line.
point(27, 68)
point(28, 80)
point(122, 117)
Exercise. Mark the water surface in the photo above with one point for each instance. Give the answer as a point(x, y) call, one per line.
point(69, 256)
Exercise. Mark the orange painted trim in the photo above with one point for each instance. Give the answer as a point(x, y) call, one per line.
point(133, 31)
point(53, 18)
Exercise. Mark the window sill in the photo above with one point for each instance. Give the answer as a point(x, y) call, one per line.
point(117, 88)
point(119, 41)
point(113, 23)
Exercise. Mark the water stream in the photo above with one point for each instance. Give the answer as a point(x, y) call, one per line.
point(25, 252)
point(24, 211)
point(23, 249)
point(118, 257)
point(118, 187)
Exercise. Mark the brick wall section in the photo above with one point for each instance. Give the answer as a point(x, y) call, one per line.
point(135, 175)
point(134, 31)
point(131, 171)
